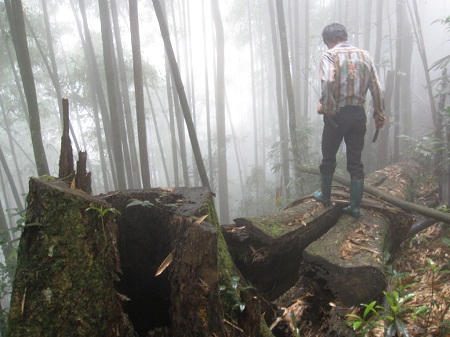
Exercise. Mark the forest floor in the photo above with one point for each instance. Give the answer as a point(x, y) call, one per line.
point(417, 299)
point(423, 270)
point(416, 303)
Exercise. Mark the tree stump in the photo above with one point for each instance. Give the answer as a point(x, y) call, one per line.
point(202, 292)
point(67, 264)
point(69, 281)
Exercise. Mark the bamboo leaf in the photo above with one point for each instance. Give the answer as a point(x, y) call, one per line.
point(166, 263)
point(200, 220)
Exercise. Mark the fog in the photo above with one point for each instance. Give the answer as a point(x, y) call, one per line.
point(252, 123)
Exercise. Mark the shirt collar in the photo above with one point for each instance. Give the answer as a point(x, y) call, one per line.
point(342, 45)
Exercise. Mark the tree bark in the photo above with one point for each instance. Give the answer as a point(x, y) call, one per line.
point(96, 95)
point(207, 103)
point(66, 169)
point(339, 258)
point(289, 89)
point(220, 115)
point(111, 75)
point(282, 122)
point(124, 106)
point(181, 93)
point(139, 93)
point(17, 24)
point(67, 265)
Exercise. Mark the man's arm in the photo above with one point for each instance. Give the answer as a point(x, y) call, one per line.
point(327, 77)
point(377, 97)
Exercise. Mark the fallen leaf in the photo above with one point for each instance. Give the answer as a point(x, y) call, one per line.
point(166, 263)
point(200, 220)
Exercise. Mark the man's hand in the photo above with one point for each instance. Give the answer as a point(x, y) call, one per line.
point(319, 109)
point(380, 120)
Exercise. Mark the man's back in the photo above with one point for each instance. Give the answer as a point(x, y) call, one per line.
point(347, 72)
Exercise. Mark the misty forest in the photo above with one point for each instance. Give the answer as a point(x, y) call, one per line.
point(158, 161)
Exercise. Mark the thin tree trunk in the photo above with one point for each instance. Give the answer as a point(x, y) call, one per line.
point(7, 127)
point(397, 87)
point(178, 114)
point(284, 142)
point(97, 94)
point(367, 23)
point(239, 160)
point(53, 74)
point(173, 135)
point(253, 85)
point(139, 93)
point(190, 75)
point(14, 190)
point(17, 24)
point(158, 138)
point(423, 56)
point(379, 33)
point(22, 99)
point(208, 109)
point(54, 69)
point(124, 107)
point(442, 153)
point(263, 73)
point(184, 104)
point(289, 89)
point(307, 61)
point(220, 115)
point(111, 76)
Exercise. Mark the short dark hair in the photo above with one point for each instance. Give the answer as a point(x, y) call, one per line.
point(334, 33)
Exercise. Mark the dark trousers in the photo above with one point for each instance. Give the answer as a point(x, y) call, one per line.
point(351, 121)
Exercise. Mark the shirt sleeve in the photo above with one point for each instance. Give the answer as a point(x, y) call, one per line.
point(375, 90)
point(328, 81)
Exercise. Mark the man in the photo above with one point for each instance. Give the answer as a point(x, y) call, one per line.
point(346, 73)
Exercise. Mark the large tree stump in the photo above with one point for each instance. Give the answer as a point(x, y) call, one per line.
point(67, 264)
point(201, 293)
point(69, 282)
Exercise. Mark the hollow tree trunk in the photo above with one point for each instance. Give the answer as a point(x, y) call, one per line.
point(69, 281)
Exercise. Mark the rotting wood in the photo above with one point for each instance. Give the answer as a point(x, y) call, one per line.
point(201, 289)
point(350, 258)
point(345, 265)
point(66, 168)
point(82, 178)
point(274, 242)
point(377, 193)
point(67, 265)
point(66, 281)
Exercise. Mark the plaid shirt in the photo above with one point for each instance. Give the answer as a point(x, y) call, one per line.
point(347, 73)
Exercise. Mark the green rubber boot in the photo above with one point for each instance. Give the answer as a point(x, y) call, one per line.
point(356, 192)
point(323, 195)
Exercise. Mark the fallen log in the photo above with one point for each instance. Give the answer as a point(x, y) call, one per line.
point(345, 264)
point(261, 245)
point(379, 177)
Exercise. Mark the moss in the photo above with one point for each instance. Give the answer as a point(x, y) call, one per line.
point(67, 252)
point(233, 287)
point(269, 225)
